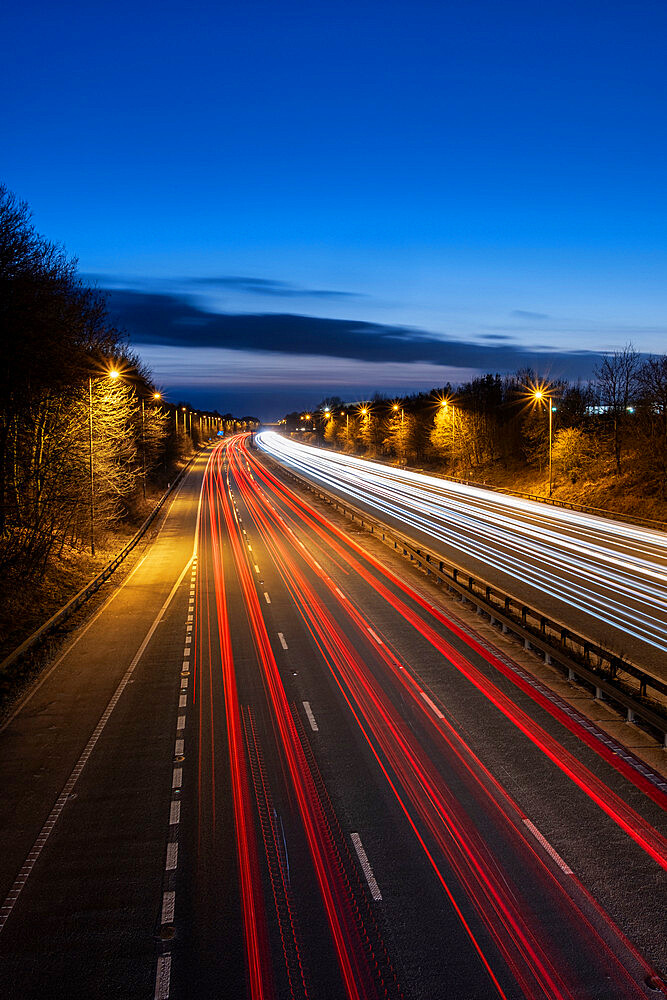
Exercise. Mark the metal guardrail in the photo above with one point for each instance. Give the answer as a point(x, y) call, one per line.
point(75, 603)
point(580, 658)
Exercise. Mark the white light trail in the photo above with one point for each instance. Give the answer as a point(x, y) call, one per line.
point(614, 573)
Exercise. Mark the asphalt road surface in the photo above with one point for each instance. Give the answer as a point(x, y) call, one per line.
point(601, 578)
point(270, 768)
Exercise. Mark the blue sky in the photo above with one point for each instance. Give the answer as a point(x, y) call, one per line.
point(491, 173)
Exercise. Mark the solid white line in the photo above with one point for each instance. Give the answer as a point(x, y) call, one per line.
point(268, 599)
point(311, 717)
point(162, 977)
point(547, 847)
point(168, 906)
point(366, 867)
point(282, 640)
point(45, 832)
point(175, 813)
point(432, 705)
point(172, 856)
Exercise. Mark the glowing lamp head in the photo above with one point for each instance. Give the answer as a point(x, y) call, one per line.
point(395, 406)
point(157, 395)
point(364, 412)
point(114, 374)
point(538, 394)
point(307, 417)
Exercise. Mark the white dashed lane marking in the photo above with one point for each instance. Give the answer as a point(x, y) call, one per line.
point(175, 813)
point(375, 636)
point(267, 598)
point(432, 705)
point(172, 856)
point(366, 867)
point(168, 906)
point(182, 701)
point(162, 978)
point(177, 779)
point(282, 640)
point(311, 717)
point(548, 848)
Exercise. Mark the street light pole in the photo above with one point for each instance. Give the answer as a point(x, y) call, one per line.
point(113, 375)
point(540, 395)
point(92, 474)
point(551, 413)
point(143, 446)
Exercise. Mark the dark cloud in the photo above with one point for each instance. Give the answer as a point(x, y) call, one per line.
point(173, 320)
point(266, 286)
point(524, 314)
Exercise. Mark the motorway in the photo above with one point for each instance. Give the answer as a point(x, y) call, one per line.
point(601, 578)
point(274, 766)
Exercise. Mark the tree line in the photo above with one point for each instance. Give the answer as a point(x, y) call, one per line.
point(615, 424)
point(82, 426)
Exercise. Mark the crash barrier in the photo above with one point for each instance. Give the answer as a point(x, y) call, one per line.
point(624, 685)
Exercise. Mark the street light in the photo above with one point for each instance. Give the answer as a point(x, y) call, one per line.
point(541, 396)
point(112, 374)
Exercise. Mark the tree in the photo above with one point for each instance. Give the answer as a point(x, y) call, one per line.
point(618, 381)
point(652, 380)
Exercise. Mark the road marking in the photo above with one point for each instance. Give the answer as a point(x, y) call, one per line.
point(189, 628)
point(162, 977)
point(52, 819)
point(186, 651)
point(186, 665)
point(182, 701)
point(341, 594)
point(178, 749)
point(267, 598)
point(283, 643)
point(181, 722)
point(366, 867)
point(188, 640)
point(175, 813)
point(551, 851)
point(432, 705)
point(172, 856)
point(311, 717)
point(177, 779)
point(375, 636)
point(256, 568)
point(168, 906)
point(190, 618)
point(184, 683)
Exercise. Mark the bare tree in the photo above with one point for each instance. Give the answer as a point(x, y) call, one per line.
point(618, 382)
